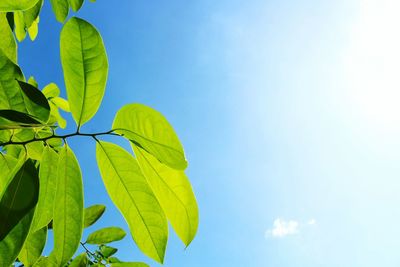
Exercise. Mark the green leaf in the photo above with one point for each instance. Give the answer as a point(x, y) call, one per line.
point(174, 193)
point(35, 101)
point(51, 90)
point(18, 117)
point(33, 30)
point(10, 93)
point(85, 67)
point(19, 198)
point(33, 82)
point(34, 149)
point(129, 264)
point(149, 129)
point(46, 262)
point(107, 251)
point(48, 183)
point(7, 169)
point(80, 261)
point(68, 212)
point(60, 9)
point(20, 28)
point(33, 247)
point(16, 213)
point(32, 14)
point(13, 5)
point(75, 4)
point(106, 235)
point(92, 214)
point(132, 195)
point(61, 103)
point(7, 41)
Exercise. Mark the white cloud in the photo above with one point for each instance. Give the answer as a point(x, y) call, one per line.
point(282, 228)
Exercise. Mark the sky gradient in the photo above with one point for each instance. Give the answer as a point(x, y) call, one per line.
point(288, 112)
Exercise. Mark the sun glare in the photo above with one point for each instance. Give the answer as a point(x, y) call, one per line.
point(373, 63)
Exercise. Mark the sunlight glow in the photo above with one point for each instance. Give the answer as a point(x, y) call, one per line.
point(372, 63)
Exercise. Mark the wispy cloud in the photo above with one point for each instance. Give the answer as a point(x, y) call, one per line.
point(282, 228)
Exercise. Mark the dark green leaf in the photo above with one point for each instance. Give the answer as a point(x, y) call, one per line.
point(35, 101)
point(18, 117)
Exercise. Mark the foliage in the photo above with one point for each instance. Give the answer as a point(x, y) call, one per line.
point(41, 186)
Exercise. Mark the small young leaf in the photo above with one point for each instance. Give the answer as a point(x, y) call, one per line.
point(80, 261)
point(75, 4)
point(149, 129)
point(60, 9)
point(33, 82)
point(33, 30)
point(68, 210)
point(106, 235)
point(107, 251)
point(132, 195)
point(51, 90)
point(92, 214)
point(20, 28)
point(85, 67)
point(33, 247)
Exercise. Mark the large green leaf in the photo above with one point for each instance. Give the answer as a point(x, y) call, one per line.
point(149, 129)
point(174, 192)
point(33, 247)
point(13, 5)
point(106, 235)
point(16, 212)
point(60, 9)
point(19, 198)
point(35, 101)
point(7, 41)
point(85, 67)
point(75, 4)
point(48, 183)
point(68, 210)
point(92, 214)
point(10, 93)
point(132, 195)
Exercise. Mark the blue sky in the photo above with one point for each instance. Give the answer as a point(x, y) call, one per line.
point(288, 111)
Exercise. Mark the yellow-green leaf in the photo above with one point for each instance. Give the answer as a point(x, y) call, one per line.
point(34, 29)
point(129, 264)
point(106, 235)
point(80, 261)
point(19, 22)
point(92, 214)
point(132, 195)
point(13, 5)
point(75, 4)
point(33, 247)
point(85, 67)
point(174, 192)
point(60, 9)
point(149, 129)
point(68, 210)
point(7, 41)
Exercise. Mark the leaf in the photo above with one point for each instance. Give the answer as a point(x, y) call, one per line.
point(68, 210)
point(20, 28)
point(106, 235)
point(16, 213)
point(32, 14)
point(48, 183)
point(33, 82)
point(51, 90)
point(92, 214)
point(61, 103)
point(107, 251)
point(19, 198)
point(149, 129)
point(18, 117)
point(174, 193)
point(60, 9)
point(33, 247)
point(134, 198)
point(10, 93)
point(7, 169)
point(13, 5)
point(33, 30)
point(75, 4)
point(35, 101)
point(80, 261)
point(45, 262)
point(7, 41)
point(129, 264)
point(34, 149)
point(85, 67)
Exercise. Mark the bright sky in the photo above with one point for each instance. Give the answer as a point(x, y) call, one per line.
point(289, 113)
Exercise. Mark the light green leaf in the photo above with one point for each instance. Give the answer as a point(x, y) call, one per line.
point(132, 195)
point(34, 149)
point(106, 235)
point(92, 214)
point(13, 5)
point(34, 29)
point(35, 101)
point(174, 193)
point(10, 93)
point(7, 170)
point(20, 28)
point(45, 262)
point(33, 247)
point(60, 9)
point(80, 261)
point(32, 14)
point(51, 90)
point(16, 213)
point(107, 251)
point(68, 211)
point(48, 183)
point(75, 4)
point(61, 103)
point(7, 41)
point(129, 264)
point(85, 67)
point(149, 129)
point(33, 82)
